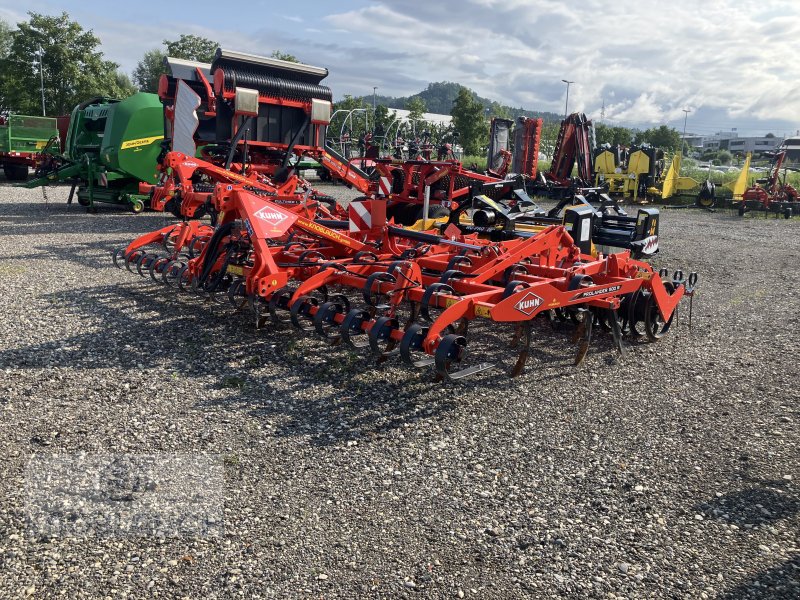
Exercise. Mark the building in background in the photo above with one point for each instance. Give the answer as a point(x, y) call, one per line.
point(733, 142)
point(792, 147)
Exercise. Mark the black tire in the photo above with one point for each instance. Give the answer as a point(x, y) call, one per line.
point(787, 212)
point(742, 209)
point(406, 214)
point(435, 211)
point(398, 181)
point(402, 213)
point(16, 172)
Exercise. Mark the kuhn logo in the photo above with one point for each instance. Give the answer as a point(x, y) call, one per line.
point(600, 292)
point(529, 303)
point(271, 216)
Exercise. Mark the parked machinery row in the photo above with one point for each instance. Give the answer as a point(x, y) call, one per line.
point(459, 302)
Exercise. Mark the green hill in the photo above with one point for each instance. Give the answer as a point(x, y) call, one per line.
point(439, 97)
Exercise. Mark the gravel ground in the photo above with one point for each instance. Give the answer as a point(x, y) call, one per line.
point(669, 473)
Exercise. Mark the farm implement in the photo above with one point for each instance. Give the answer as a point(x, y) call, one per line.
point(771, 194)
point(525, 157)
point(111, 146)
point(595, 221)
point(22, 140)
point(221, 132)
point(573, 148)
point(430, 300)
point(187, 185)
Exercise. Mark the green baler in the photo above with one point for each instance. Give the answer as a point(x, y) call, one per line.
point(111, 146)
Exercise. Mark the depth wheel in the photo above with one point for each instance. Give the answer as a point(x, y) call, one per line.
point(654, 325)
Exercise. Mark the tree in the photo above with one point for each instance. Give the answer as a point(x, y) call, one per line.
point(149, 71)
point(724, 157)
point(416, 108)
point(381, 119)
point(469, 121)
point(500, 111)
point(6, 39)
point(73, 68)
point(615, 136)
point(666, 138)
point(284, 56)
point(192, 47)
point(188, 47)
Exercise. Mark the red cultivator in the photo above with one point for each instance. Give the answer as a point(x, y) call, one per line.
point(445, 301)
point(187, 185)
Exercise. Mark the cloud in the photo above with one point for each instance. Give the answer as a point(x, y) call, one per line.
point(730, 61)
point(646, 62)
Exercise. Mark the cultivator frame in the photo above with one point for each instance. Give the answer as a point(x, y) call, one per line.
point(594, 221)
point(186, 189)
point(422, 295)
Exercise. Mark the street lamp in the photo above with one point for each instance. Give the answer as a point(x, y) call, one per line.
point(41, 68)
point(566, 102)
point(41, 77)
point(686, 112)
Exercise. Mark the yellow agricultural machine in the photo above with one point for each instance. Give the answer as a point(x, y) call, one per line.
point(628, 173)
point(640, 175)
point(674, 184)
point(739, 185)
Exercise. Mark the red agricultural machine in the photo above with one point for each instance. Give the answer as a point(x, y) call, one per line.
point(187, 191)
point(574, 145)
point(523, 158)
point(22, 140)
point(234, 130)
point(250, 119)
point(457, 302)
point(771, 194)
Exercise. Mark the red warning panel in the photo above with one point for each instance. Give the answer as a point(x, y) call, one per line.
point(265, 218)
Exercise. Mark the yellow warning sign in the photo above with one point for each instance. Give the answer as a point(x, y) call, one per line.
point(140, 142)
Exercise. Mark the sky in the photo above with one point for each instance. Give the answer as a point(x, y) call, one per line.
point(732, 63)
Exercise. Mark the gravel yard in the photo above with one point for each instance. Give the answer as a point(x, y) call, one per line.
point(671, 472)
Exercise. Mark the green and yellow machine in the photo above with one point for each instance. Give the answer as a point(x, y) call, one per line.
point(111, 146)
point(22, 139)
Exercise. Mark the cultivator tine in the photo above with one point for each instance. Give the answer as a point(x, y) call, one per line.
point(351, 328)
point(523, 335)
point(380, 337)
point(616, 330)
point(300, 313)
point(325, 318)
point(584, 338)
point(412, 342)
point(452, 350)
point(118, 256)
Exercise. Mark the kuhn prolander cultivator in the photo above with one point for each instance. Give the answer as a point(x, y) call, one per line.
point(452, 301)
